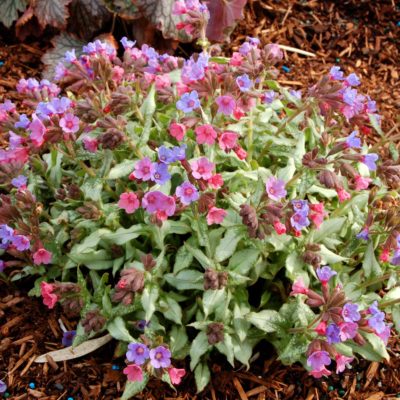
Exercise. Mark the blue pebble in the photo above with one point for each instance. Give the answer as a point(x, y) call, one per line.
point(115, 368)
point(70, 398)
point(398, 24)
point(1, 63)
point(285, 68)
point(32, 385)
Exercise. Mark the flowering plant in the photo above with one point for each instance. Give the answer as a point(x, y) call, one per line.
point(172, 203)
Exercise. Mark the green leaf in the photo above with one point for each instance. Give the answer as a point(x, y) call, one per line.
point(330, 257)
point(125, 235)
point(183, 259)
point(199, 347)
point(228, 243)
point(9, 11)
point(226, 348)
point(92, 188)
point(149, 298)
point(212, 299)
point(187, 279)
point(133, 388)
point(294, 350)
point(202, 376)
point(370, 264)
point(373, 350)
point(243, 260)
point(171, 309)
point(93, 259)
point(199, 256)
point(178, 340)
point(328, 228)
point(396, 316)
point(118, 330)
point(266, 320)
point(122, 169)
point(243, 350)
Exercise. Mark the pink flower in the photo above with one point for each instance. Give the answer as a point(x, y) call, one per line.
point(348, 330)
point(321, 328)
point(117, 73)
point(90, 144)
point(37, 132)
point(158, 202)
point(280, 228)
point(129, 202)
point(205, 134)
point(176, 375)
point(241, 152)
point(202, 168)
point(228, 140)
point(177, 131)
point(216, 181)
point(343, 195)
point(226, 104)
point(162, 81)
point(42, 256)
point(69, 123)
point(215, 215)
point(143, 169)
point(236, 59)
point(361, 183)
point(385, 255)
point(317, 214)
point(342, 362)
point(298, 287)
point(238, 113)
point(320, 373)
point(134, 373)
point(49, 298)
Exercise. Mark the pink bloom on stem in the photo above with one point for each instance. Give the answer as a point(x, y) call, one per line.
point(177, 131)
point(299, 287)
point(205, 134)
point(321, 328)
point(162, 81)
point(49, 298)
point(275, 188)
point(238, 113)
point(42, 256)
point(348, 330)
point(143, 169)
point(176, 375)
point(134, 373)
point(318, 214)
point(343, 195)
point(342, 362)
point(320, 373)
point(129, 202)
point(226, 104)
point(385, 255)
point(236, 59)
point(37, 130)
point(69, 123)
point(361, 182)
point(117, 73)
point(280, 228)
point(228, 140)
point(215, 181)
point(90, 144)
point(202, 168)
point(385, 334)
point(241, 152)
point(216, 215)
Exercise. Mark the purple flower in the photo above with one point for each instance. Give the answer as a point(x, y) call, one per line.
point(160, 173)
point(226, 104)
point(275, 188)
point(371, 105)
point(268, 97)
point(348, 330)
point(70, 56)
point(299, 221)
point(333, 334)
point(353, 80)
point(19, 182)
point(43, 110)
point(23, 122)
point(325, 274)
point(179, 152)
point(6, 233)
point(128, 44)
point(188, 102)
point(300, 206)
point(137, 353)
point(193, 71)
point(187, 193)
point(336, 73)
point(352, 141)
point(69, 123)
point(3, 387)
point(142, 324)
point(14, 140)
point(165, 155)
point(68, 338)
point(21, 242)
point(385, 334)
point(2, 265)
point(396, 258)
point(296, 94)
point(244, 82)
point(245, 48)
point(59, 105)
point(160, 357)
point(350, 312)
point(374, 308)
point(377, 322)
point(318, 359)
point(370, 160)
point(143, 169)
point(364, 234)
point(253, 41)
point(350, 96)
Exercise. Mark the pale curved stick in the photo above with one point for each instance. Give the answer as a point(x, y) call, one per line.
point(294, 50)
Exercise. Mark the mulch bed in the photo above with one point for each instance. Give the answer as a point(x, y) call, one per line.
point(361, 36)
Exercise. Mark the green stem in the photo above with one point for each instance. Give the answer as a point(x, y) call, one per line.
point(306, 328)
point(389, 303)
point(378, 280)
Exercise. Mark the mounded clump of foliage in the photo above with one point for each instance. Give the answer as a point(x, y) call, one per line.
point(174, 203)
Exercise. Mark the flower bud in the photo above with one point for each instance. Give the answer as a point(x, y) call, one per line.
point(93, 321)
point(215, 332)
point(211, 279)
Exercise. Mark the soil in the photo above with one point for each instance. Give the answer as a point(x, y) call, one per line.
point(361, 36)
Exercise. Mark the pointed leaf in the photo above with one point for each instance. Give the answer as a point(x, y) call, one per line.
point(199, 347)
point(202, 376)
point(9, 11)
point(52, 12)
point(133, 388)
point(118, 330)
point(266, 320)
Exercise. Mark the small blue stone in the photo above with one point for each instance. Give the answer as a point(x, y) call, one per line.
point(398, 24)
point(70, 398)
point(285, 68)
point(115, 368)
point(32, 385)
point(1, 63)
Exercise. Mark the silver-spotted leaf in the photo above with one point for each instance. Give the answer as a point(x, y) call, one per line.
point(9, 11)
point(52, 12)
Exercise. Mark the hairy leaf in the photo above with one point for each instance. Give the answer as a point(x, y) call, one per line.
point(223, 17)
point(52, 12)
point(124, 8)
point(202, 376)
point(9, 11)
point(132, 388)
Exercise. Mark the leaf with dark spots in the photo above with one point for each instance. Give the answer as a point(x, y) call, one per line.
point(52, 12)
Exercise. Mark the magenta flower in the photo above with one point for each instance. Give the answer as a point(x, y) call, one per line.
point(216, 181)
point(42, 256)
point(177, 131)
point(318, 359)
point(205, 134)
point(226, 104)
point(342, 362)
point(275, 188)
point(202, 168)
point(21, 242)
point(228, 140)
point(350, 312)
point(216, 215)
point(348, 330)
point(361, 182)
point(187, 193)
point(37, 130)
point(298, 287)
point(156, 201)
point(129, 202)
point(49, 298)
point(176, 375)
point(343, 195)
point(320, 373)
point(137, 353)
point(160, 357)
point(69, 123)
point(90, 144)
point(325, 274)
point(134, 373)
point(143, 169)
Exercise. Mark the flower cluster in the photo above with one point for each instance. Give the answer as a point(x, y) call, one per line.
point(195, 16)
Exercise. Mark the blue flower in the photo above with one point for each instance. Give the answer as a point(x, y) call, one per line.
point(244, 82)
point(165, 155)
point(353, 80)
point(300, 206)
point(299, 221)
point(6, 233)
point(188, 102)
point(325, 274)
point(350, 96)
point(160, 173)
point(352, 141)
point(333, 334)
point(128, 44)
point(370, 160)
point(19, 182)
point(23, 122)
point(68, 338)
point(364, 234)
point(336, 73)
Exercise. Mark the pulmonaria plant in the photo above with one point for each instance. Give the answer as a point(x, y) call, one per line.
point(164, 200)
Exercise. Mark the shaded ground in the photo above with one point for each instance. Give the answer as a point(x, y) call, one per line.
point(361, 36)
